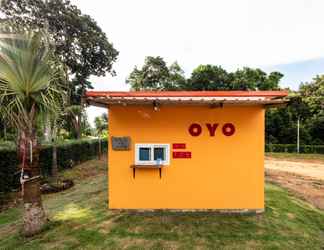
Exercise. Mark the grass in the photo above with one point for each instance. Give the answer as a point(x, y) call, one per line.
point(318, 158)
point(80, 219)
point(7, 145)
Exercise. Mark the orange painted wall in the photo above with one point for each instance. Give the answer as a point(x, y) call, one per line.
point(223, 173)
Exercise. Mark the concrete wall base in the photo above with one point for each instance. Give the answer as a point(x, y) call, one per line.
point(216, 211)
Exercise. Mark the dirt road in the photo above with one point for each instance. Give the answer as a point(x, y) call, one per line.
point(304, 179)
point(314, 170)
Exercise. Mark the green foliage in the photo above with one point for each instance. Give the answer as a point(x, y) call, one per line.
point(68, 155)
point(255, 79)
point(156, 75)
point(209, 77)
point(101, 123)
point(28, 85)
point(80, 44)
point(8, 167)
point(7, 145)
point(313, 94)
point(307, 105)
point(292, 148)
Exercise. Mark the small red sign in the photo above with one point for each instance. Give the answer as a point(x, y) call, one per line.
point(179, 154)
point(179, 146)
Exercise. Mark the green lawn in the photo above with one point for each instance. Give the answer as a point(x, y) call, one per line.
point(80, 220)
point(318, 158)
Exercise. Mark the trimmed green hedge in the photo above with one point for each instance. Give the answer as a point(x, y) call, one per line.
point(8, 168)
point(292, 148)
point(68, 154)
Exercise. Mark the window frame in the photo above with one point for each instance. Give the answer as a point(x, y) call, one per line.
point(152, 146)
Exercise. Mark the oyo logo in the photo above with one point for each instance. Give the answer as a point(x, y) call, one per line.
point(195, 129)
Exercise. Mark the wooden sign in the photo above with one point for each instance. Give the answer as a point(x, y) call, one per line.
point(178, 154)
point(120, 143)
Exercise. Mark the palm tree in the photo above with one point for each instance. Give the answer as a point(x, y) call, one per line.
point(29, 88)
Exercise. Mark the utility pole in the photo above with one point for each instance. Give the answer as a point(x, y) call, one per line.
point(298, 135)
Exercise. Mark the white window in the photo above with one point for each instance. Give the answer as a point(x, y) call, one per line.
point(152, 154)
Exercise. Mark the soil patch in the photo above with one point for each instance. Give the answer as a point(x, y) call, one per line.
point(306, 187)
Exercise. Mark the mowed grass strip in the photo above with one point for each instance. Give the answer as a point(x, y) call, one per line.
point(312, 158)
point(80, 219)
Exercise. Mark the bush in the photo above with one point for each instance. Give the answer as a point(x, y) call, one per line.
point(68, 154)
point(292, 148)
point(8, 168)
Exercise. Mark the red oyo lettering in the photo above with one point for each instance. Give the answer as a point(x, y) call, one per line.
point(195, 129)
point(212, 128)
point(228, 129)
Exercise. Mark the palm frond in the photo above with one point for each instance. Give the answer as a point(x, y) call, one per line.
point(29, 80)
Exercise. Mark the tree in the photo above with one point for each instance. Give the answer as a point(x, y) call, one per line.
point(152, 75)
point(209, 77)
point(80, 43)
point(176, 79)
point(255, 79)
point(101, 123)
point(156, 75)
point(28, 88)
point(313, 95)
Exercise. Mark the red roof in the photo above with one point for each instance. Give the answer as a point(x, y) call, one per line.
point(106, 98)
point(269, 94)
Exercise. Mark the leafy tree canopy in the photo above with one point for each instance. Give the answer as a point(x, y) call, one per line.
point(307, 105)
point(79, 42)
point(313, 94)
point(101, 123)
point(209, 77)
point(156, 75)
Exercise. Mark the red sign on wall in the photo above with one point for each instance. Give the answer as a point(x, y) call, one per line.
point(178, 145)
point(179, 154)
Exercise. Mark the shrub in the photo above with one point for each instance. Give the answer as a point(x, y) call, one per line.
point(68, 154)
point(292, 148)
point(8, 168)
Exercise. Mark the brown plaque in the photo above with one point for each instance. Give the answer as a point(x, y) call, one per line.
point(120, 143)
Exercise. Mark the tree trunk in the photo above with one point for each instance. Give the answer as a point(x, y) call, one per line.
point(78, 126)
point(54, 154)
point(34, 217)
point(54, 162)
point(48, 130)
point(5, 131)
point(99, 149)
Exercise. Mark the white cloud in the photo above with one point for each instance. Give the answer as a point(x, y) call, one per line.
point(232, 33)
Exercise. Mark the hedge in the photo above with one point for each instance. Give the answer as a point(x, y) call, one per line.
point(8, 168)
point(68, 155)
point(292, 148)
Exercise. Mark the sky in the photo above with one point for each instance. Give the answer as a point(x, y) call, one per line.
point(281, 35)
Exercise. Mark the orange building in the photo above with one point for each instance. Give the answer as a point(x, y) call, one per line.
point(186, 150)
